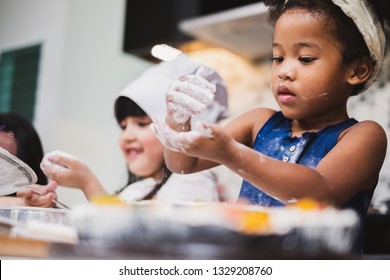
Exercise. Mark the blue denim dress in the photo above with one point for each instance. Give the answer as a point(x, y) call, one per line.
point(274, 140)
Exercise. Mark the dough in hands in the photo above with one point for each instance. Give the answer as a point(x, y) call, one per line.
point(46, 163)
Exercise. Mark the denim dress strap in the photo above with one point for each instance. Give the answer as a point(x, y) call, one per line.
point(274, 140)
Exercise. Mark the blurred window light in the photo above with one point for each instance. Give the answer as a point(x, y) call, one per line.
point(165, 52)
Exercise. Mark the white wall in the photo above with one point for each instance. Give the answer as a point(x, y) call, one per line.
point(25, 23)
point(95, 69)
point(82, 69)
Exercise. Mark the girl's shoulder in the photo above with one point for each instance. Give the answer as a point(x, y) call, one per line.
point(369, 130)
point(369, 126)
point(245, 127)
point(259, 116)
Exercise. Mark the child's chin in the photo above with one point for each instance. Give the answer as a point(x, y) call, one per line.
point(138, 171)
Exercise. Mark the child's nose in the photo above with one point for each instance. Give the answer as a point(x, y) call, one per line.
point(128, 134)
point(286, 71)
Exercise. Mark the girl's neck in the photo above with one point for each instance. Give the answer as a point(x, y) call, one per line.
point(160, 175)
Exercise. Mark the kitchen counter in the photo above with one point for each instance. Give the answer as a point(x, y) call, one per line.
point(142, 240)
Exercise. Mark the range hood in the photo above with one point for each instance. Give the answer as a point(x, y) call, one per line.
point(244, 30)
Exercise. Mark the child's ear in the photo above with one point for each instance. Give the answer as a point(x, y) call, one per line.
point(360, 71)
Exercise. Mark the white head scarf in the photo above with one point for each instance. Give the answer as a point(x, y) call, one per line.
point(149, 90)
point(371, 29)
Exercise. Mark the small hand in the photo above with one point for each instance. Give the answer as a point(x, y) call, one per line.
point(207, 141)
point(66, 170)
point(190, 95)
point(177, 141)
point(39, 195)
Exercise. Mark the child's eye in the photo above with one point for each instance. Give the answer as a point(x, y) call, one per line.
point(144, 124)
point(277, 59)
point(306, 59)
point(122, 126)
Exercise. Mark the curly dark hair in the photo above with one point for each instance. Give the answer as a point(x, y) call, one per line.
point(336, 23)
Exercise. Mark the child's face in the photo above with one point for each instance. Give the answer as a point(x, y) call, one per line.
point(142, 150)
point(308, 77)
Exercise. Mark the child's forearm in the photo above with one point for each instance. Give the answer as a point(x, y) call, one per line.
point(178, 162)
point(93, 188)
point(12, 201)
point(282, 180)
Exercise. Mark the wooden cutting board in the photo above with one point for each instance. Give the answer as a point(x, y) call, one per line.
point(21, 247)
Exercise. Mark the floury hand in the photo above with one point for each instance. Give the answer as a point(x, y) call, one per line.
point(179, 141)
point(190, 95)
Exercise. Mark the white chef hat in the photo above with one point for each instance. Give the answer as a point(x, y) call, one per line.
point(149, 90)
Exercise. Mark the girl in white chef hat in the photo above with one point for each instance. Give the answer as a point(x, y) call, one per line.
point(149, 178)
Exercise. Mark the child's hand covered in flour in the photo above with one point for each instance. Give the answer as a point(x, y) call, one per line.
point(66, 169)
point(207, 141)
point(50, 161)
point(188, 96)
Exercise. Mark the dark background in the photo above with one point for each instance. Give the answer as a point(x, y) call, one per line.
point(151, 22)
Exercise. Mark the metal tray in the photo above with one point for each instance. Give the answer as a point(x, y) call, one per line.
point(14, 173)
point(24, 214)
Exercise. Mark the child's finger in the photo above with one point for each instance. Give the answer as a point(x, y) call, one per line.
point(26, 192)
point(202, 71)
point(51, 186)
point(185, 104)
point(204, 129)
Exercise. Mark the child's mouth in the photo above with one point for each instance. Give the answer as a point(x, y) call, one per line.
point(285, 95)
point(131, 153)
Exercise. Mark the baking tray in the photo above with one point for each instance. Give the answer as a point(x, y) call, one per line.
point(14, 173)
point(25, 214)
